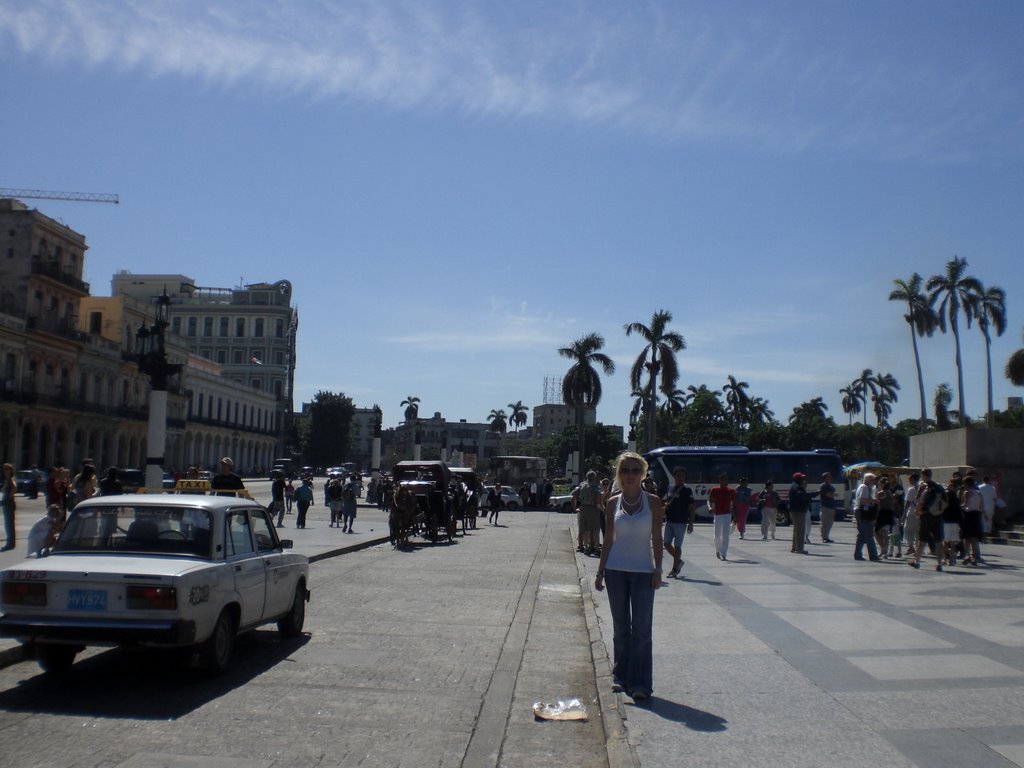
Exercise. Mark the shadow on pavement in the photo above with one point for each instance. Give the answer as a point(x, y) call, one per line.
point(688, 580)
point(694, 719)
point(121, 684)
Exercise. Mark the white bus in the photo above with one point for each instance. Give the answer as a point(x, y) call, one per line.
point(705, 464)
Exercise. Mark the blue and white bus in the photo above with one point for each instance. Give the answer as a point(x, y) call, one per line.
point(705, 464)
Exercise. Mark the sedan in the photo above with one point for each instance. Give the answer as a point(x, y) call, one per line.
point(509, 497)
point(158, 570)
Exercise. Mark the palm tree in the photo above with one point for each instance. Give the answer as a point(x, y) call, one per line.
point(738, 400)
point(851, 400)
point(581, 385)
point(813, 408)
point(412, 408)
point(675, 401)
point(759, 412)
point(662, 345)
point(517, 416)
point(943, 397)
point(498, 420)
point(922, 322)
point(864, 384)
point(887, 386)
point(882, 407)
point(990, 309)
point(1015, 368)
point(953, 291)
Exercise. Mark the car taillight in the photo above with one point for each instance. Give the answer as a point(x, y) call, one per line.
point(24, 593)
point(152, 598)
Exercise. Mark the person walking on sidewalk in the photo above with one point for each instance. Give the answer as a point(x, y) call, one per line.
point(865, 512)
point(303, 499)
point(277, 498)
point(722, 503)
point(827, 494)
point(911, 522)
point(744, 495)
point(8, 487)
point(589, 515)
point(495, 502)
point(631, 564)
point(679, 513)
point(799, 506)
point(768, 504)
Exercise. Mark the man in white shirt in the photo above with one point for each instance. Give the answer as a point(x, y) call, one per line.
point(988, 498)
point(911, 522)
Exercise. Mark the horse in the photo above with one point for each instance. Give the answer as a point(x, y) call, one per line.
point(402, 517)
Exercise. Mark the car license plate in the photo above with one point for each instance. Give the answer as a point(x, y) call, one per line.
point(87, 600)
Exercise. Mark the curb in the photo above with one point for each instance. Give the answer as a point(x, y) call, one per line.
point(613, 715)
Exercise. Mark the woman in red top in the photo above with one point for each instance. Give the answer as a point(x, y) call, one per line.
point(722, 503)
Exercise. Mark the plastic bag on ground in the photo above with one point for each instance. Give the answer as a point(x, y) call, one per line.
point(563, 709)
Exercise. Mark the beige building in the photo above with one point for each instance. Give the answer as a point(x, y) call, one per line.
point(552, 418)
point(69, 384)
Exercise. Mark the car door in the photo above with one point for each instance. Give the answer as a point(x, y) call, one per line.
point(247, 566)
point(279, 575)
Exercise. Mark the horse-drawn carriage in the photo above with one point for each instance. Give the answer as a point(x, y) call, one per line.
point(466, 500)
point(421, 502)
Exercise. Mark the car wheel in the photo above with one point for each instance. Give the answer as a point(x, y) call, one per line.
point(291, 624)
point(782, 518)
point(219, 647)
point(56, 659)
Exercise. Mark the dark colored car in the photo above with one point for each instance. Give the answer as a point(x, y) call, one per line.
point(26, 480)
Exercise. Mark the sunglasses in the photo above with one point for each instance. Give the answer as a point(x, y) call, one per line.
point(630, 470)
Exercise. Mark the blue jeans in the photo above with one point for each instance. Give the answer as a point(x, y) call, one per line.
point(866, 535)
point(631, 599)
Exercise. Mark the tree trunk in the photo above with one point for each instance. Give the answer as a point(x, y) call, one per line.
point(988, 370)
point(920, 378)
point(652, 441)
point(959, 373)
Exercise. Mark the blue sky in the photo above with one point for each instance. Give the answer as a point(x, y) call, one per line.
point(458, 189)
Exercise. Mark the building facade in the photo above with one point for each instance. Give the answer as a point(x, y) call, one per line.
point(250, 332)
point(70, 388)
point(552, 418)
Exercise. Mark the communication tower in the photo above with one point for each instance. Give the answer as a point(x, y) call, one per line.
point(553, 390)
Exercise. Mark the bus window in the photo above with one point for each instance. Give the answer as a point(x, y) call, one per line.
point(733, 466)
point(777, 468)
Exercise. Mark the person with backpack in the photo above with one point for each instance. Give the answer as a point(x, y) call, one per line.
point(348, 505)
point(334, 501)
point(865, 512)
point(930, 504)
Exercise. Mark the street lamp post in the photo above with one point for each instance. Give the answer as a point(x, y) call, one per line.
point(151, 353)
point(416, 447)
point(378, 417)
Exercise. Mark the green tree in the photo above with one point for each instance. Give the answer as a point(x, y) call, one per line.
point(738, 401)
point(517, 416)
point(886, 388)
point(498, 420)
point(581, 385)
point(865, 387)
point(662, 346)
point(330, 428)
point(922, 321)
point(704, 421)
point(949, 294)
point(1015, 368)
point(851, 400)
point(815, 407)
point(942, 400)
point(412, 408)
point(990, 309)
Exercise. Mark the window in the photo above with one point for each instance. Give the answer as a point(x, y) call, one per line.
point(240, 327)
point(279, 328)
point(279, 358)
point(95, 322)
point(223, 326)
point(261, 528)
point(205, 354)
point(222, 356)
point(258, 331)
point(239, 538)
point(176, 325)
point(192, 326)
point(207, 326)
point(237, 357)
point(257, 384)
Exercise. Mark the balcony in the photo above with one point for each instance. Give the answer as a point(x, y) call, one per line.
point(52, 270)
point(65, 327)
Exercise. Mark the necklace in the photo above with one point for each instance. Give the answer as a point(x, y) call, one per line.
point(629, 507)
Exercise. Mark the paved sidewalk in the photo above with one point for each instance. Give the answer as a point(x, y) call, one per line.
point(777, 659)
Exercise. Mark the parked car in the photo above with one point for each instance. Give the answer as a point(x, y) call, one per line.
point(131, 479)
point(561, 503)
point(186, 571)
point(26, 480)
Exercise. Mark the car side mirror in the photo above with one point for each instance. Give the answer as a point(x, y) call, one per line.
point(287, 544)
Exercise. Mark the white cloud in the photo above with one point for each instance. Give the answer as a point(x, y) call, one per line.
point(677, 71)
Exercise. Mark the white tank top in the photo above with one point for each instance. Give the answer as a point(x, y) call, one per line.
point(632, 550)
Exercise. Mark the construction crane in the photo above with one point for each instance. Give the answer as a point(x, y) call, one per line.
point(43, 194)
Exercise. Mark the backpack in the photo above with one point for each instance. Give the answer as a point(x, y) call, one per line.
point(933, 500)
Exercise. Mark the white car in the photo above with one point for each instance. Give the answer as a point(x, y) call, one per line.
point(509, 497)
point(160, 570)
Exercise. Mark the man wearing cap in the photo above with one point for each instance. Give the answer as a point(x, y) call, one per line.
point(799, 504)
point(226, 479)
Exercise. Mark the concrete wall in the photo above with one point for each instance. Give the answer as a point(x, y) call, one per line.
point(989, 451)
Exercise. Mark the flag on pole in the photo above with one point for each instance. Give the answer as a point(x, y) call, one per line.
point(255, 360)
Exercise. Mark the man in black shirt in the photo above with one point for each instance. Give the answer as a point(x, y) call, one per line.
point(679, 512)
point(226, 479)
point(277, 498)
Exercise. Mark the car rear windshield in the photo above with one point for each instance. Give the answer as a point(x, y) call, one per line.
point(137, 529)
